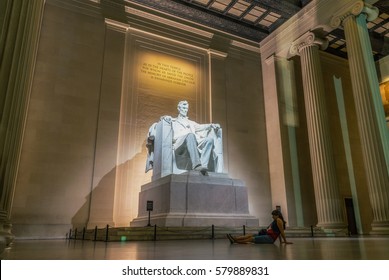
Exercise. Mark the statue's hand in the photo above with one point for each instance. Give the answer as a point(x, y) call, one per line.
point(167, 119)
point(215, 126)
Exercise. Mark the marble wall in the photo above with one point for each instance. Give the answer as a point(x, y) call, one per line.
point(102, 78)
point(98, 86)
point(55, 174)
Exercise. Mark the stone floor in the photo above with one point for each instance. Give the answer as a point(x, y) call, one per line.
point(327, 248)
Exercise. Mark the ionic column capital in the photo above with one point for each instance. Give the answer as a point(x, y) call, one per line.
point(307, 40)
point(355, 9)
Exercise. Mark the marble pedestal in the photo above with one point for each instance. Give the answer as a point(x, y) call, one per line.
point(194, 200)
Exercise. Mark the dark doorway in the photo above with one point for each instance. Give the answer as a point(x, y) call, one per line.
point(352, 225)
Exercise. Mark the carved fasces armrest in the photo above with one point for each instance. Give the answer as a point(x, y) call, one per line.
point(151, 136)
point(150, 147)
point(150, 142)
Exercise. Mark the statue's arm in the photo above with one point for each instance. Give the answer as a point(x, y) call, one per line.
point(215, 126)
point(167, 119)
point(208, 126)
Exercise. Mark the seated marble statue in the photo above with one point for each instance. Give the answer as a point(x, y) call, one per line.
point(193, 146)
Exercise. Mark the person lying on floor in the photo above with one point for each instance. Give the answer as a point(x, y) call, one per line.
point(266, 236)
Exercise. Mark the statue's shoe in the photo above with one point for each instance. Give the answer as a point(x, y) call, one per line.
point(203, 170)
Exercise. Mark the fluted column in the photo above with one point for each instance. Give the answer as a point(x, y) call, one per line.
point(328, 203)
point(18, 47)
point(371, 118)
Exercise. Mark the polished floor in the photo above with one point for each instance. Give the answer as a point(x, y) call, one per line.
point(328, 248)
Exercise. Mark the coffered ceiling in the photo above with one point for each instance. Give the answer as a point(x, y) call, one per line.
point(256, 19)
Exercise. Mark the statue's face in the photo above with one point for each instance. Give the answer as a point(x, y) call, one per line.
point(183, 109)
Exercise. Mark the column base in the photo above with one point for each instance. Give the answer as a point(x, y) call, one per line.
point(333, 229)
point(6, 237)
point(379, 228)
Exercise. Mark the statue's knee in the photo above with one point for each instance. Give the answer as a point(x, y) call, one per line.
point(191, 135)
point(209, 141)
point(191, 138)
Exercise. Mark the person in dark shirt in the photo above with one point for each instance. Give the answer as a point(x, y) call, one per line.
point(266, 236)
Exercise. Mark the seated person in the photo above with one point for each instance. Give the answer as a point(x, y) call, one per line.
point(268, 236)
point(201, 143)
point(194, 138)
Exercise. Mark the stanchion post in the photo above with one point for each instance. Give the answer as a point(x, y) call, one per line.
point(106, 233)
point(149, 207)
point(95, 233)
point(155, 232)
point(244, 230)
point(311, 231)
point(75, 234)
point(83, 233)
point(213, 232)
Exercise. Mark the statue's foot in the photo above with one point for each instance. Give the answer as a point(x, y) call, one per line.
point(203, 170)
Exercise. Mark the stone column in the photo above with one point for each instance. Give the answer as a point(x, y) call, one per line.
point(328, 203)
point(370, 113)
point(18, 47)
point(278, 78)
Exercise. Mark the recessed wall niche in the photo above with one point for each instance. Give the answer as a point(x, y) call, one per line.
point(157, 75)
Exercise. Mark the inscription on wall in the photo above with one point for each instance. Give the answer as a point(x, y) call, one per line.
point(167, 73)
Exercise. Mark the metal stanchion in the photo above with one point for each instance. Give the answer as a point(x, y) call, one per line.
point(106, 233)
point(149, 207)
point(95, 233)
point(155, 232)
point(244, 230)
point(213, 232)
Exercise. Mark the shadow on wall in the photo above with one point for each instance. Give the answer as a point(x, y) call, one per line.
point(124, 182)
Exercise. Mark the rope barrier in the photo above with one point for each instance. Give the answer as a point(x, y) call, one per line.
point(103, 234)
point(166, 229)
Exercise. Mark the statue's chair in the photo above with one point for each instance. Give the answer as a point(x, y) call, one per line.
point(164, 160)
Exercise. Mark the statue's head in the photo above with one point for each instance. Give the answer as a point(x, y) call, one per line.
point(183, 107)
